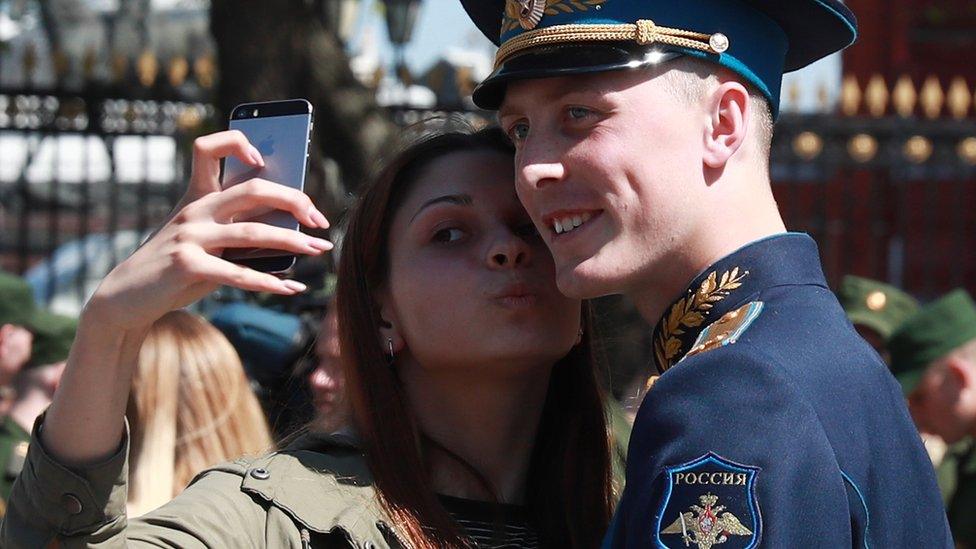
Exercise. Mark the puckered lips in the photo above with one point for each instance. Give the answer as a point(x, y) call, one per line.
point(516, 294)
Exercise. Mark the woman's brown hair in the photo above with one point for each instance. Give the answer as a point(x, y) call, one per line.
point(569, 478)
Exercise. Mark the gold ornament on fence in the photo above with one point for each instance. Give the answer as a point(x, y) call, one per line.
point(917, 149)
point(147, 68)
point(862, 147)
point(904, 98)
point(958, 99)
point(120, 63)
point(876, 96)
point(205, 71)
point(807, 145)
point(178, 69)
point(850, 96)
point(967, 150)
point(932, 97)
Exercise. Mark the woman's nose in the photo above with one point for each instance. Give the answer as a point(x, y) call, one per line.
point(508, 251)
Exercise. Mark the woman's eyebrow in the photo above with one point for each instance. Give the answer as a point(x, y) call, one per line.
point(459, 199)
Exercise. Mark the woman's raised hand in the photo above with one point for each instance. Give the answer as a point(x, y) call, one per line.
point(182, 262)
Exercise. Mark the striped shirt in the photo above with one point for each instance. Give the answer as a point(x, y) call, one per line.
point(493, 526)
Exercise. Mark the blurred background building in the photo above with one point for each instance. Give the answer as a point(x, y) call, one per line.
point(874, 154)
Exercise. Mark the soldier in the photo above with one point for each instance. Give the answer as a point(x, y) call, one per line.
point(642, 131)
point(875, 309)
point(34, 387)
point(933, 355)
point(20, 320)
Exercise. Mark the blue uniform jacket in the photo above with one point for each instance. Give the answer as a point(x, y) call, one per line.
point(773, 424)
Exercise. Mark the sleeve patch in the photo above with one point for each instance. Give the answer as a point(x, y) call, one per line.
point(726, 330)
point(707, 502)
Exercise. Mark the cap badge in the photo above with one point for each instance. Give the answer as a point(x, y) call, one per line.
point(876, 300)
point(528, 13)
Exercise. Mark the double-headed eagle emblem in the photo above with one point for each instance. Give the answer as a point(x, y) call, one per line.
point(707, 525)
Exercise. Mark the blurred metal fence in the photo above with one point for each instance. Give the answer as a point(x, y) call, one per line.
point(887, 185)
point(77, 165)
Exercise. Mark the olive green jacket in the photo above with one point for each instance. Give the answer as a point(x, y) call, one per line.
point(315, 493)
point(957, 479)
point(13, 451)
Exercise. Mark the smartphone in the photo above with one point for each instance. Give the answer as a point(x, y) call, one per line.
point(281, 131)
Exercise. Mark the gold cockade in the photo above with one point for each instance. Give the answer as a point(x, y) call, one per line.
point(690, 312)
point(528, 13)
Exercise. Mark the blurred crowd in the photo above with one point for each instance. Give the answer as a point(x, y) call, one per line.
point(248, 378)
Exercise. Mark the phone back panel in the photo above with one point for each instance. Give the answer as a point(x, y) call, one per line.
point(283, 143)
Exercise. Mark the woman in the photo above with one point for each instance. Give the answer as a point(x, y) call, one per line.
point(326, 381)
point(469, 375)
point(191, 407)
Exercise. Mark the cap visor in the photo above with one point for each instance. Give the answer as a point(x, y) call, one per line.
point(871, 321)
point(909, 380)
point(565, 60)
point(44, 323)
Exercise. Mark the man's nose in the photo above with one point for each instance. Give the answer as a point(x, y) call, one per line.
point(538, 164)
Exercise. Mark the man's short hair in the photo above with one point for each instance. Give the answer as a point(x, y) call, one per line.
point(690, 78)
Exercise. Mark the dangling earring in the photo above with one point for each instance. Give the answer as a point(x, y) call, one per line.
point(389, 342)
point(579, 336)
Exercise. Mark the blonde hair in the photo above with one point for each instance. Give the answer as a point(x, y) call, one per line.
point(689, 79)
point(191, 406)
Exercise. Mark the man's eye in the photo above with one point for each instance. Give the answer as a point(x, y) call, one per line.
point(448, 235)
point(518, 132)
point(578, 113)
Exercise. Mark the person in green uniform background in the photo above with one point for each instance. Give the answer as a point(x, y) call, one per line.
point(875, 309)
point(34, 386)
point(20, 321)
point(933, 355)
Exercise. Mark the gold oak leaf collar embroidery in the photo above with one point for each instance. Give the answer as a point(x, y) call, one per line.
point(688, 316)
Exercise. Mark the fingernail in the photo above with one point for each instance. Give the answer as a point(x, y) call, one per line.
point(318, 218)
point(256, 156)
point(294, 286)
point(320, 244)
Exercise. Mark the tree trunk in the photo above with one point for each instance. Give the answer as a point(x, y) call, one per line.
point(280, 50)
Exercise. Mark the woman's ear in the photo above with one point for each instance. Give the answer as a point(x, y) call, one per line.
point(728, 115)
point(390, 337)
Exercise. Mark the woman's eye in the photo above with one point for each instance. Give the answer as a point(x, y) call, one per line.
point(518, 132)
point(448, 235)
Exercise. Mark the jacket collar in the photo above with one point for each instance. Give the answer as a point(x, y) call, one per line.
point(783, 259)
point(324, 483)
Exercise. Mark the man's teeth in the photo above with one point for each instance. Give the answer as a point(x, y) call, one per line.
point(569, 222)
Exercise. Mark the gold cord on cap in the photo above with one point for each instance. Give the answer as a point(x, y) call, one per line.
point(643, 32)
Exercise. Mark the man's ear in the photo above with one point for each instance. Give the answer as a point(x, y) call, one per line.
point(728, 109)
point(961, 372)
point(390, 334)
